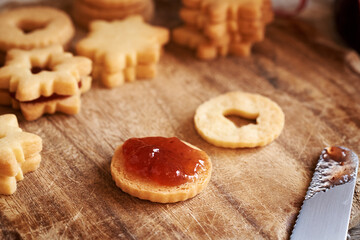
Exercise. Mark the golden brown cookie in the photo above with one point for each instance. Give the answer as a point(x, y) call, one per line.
point(214, 11)
point(235, 17)
point(117, 46)
point(160, 169)
point(33, 27)
point(213, 126)
point(193, 39)
point(130, 74)
point(19, 153)
point(84, 13)
point(42, 72)
point(207, 50)
point(35, 109)
point(243, 22)
point(71, 105)
point(45, 80)
point(114, 3)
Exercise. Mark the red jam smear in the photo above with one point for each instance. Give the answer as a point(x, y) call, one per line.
point(166, 161)
point(337, 154)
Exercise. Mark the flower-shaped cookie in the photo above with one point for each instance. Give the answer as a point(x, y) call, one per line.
point(19, 153)
point(118, 48)
point(42, 72)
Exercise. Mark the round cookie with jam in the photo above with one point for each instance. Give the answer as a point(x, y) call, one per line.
point(160, 169)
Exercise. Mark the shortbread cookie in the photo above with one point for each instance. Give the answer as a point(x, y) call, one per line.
point(114, 3)
point(216, 28)
point(235, 17)
point(215, 128)
point(241, 49)
point(119, 45)
point(31, 164)
point(33, 27)
point(160, 169)
point(71, 105)
point(84, 13)
point(215, 11)
point(109, 13)
point(19, 153)
point(33, 110)
point(42, 72)
point(205, 49)
point(46, 80)
point(130, 74)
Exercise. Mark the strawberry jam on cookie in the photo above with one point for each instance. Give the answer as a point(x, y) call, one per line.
point(166, 161)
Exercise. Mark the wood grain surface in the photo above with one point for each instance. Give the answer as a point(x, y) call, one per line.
point(253, 193)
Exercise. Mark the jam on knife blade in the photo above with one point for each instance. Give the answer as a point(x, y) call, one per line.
point(336, 166)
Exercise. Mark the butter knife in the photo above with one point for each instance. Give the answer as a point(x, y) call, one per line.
point(325, 212)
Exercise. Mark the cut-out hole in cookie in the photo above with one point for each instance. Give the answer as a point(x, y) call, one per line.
point(28, 27)
point(240, 121)
point(240, 118)
point(36, 70)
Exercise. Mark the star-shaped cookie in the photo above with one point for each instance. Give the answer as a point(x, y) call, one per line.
point(217, 18)
point(117, 48)
point(46, 80)
point(30, 74)
point(19, 153)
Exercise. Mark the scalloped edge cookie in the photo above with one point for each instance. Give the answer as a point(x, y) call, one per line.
point(215, 128)
point(52, 26)
point(149, 191)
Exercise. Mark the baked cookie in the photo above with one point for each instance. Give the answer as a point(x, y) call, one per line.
point(45, 80)
point(206, 49)
point(241, 22)
point(34, 27)
point(19, 153)
point(213, 11)
point(114, 3)
point(71, 105)
point(84, 12)
point(160, 169)
point(213, 126)
point(123, 47)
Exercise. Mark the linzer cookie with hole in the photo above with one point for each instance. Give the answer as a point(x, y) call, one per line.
point(213, 126)
point(241, 21)
point(33, 27)
point(123, 50)
point(19, 153)
point(85, 11)
point(160, 169)
point(44, 80)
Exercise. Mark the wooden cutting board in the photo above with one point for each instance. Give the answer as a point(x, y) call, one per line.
point(253, 193)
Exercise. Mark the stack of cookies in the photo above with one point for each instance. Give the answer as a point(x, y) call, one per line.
point(217, 28)
point(44, 80)
point(85, 11)
point(34, 27)
point(20, 153)
point(123, 50)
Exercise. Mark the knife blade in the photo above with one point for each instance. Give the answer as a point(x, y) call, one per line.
point(325, 212)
